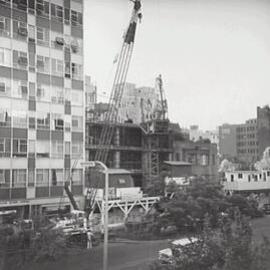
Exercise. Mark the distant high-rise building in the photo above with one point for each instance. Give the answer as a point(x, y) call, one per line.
point(246, 142)
point(227, 141)
point(41, 103)
point(263, 128)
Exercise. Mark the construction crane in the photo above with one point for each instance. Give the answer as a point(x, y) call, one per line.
point(118, 84)
point(117, 92)
point(162, 112)
point(155, 130)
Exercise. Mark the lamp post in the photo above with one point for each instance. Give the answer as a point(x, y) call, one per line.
point(106, 191)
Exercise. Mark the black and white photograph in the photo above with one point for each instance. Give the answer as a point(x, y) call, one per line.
point(134, 135)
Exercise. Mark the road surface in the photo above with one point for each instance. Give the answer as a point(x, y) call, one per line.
point(131, 255)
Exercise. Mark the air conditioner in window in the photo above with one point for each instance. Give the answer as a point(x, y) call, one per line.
point(59, 41)
point(22, 61)
point(74, 46)
point(22, 31)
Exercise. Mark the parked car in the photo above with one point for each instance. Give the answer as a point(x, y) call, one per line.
point(266, 208)
point(165, 256)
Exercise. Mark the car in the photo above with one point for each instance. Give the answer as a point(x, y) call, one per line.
point(165, 256)
point(266, 208)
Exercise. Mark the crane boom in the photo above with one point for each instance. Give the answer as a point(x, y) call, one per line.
point(118, 84)
point(116, 93)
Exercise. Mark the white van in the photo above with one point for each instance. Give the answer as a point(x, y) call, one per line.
point(166, 255)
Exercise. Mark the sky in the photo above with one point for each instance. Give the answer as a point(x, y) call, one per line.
point(214, 55)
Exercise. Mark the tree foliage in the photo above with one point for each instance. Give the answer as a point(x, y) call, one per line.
point(186, 210)
point(228, 247)
point(21, 247)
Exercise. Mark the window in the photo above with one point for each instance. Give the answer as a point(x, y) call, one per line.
point(42, 8)
point(57, 12)
point(43, 92)
point(57, 95)
point(4, 26)
point(19, 147)
point(77, 123)
point(4, 147)
point(19, 119)
point(43, 64)
point(43, 148)
point(232, 177)
point(5, 57)
point(5, 178)
point(43, 36)
point(57, 149)
point(5, 86)
point(77, 149)
point(77, 177)
point(57, 121)
point(5, 118)
point(20, 89)
point(76, 71)
point(20, 59)
point(240, 175)
point(42, 178)
point(57, 177)
point(19, 178)
point(43, 120)
point(57, 67)
point(249, 178)
point(19, 30)
point(255, 177)
point(268, 173)
point(76, 18)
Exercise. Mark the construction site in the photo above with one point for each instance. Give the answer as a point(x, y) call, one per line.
point(128, 139)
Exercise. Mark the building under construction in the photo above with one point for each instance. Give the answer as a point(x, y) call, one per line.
point(133, 147)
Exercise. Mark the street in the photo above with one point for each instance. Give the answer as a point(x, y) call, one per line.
point(125, 255)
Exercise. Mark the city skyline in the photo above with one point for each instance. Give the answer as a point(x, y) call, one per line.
point(215, 51)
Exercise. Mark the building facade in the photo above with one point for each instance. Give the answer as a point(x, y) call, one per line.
point(138, 103)
point(247, 142)
point(227, 141)
point(200, 157)
point(263, 129)
point(41, 103)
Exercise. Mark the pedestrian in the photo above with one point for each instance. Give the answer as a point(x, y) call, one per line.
point(89, 239)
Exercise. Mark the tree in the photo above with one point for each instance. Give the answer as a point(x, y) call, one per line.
point(22, 247)
point(228, 247)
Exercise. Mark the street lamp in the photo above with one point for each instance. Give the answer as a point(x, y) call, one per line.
point(106, 191)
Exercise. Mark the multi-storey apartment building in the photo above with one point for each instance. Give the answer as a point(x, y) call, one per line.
point(41, 103)
point(247, 142)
